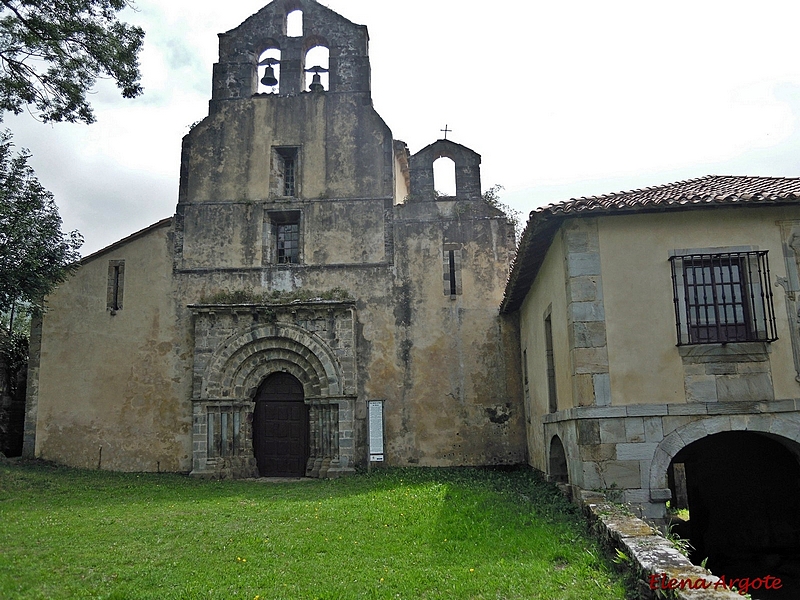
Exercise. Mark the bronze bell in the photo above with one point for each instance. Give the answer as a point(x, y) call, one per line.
point(316, 84)
point(269, 77)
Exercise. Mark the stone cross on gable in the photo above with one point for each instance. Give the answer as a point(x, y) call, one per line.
point(446, 131)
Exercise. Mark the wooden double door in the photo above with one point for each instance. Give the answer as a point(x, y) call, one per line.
point(280, 427)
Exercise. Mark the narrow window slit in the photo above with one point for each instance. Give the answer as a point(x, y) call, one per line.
point(452, 256)
point(115, 285)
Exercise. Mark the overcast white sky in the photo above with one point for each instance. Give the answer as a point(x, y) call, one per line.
point(561, 99)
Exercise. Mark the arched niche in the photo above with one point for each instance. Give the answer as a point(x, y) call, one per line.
point(557, 464)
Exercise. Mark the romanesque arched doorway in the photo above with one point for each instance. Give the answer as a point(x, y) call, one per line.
point(743, 491)
point(280, 427)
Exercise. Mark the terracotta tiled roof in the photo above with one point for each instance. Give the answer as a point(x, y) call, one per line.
point(705, 192)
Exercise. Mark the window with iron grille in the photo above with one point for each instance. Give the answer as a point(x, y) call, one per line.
point(721, 298)
point(288, 242)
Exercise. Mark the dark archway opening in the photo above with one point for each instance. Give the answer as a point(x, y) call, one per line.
point(558, 461)
point(280, 427)
point(743, 494)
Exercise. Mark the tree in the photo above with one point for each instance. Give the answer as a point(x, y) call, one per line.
point(51, 54)
point(52, 51)
point(35, 255)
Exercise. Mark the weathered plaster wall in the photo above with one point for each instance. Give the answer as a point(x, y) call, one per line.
point(115, 381)
point(346, 148)
point(345, 232)
point(645, 365)
point(548, 291)
point(466, 409)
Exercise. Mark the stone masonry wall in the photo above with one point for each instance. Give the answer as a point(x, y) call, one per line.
point(586, 314)
point(628, 449)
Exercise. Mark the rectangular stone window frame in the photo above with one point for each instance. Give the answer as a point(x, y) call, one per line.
point(285, 172)
point(452, 257)
point(116, 285)
point(283, 237)
point(722, 295)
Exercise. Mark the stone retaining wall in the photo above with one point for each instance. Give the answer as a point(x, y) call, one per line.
point(649, 552)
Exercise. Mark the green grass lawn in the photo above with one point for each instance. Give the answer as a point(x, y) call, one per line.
point(398, 533)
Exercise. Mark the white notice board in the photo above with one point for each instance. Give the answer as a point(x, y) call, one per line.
point(375, 430)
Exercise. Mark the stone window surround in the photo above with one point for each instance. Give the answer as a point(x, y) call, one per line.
point(273, 218)
point(678, 275)
point(280, 154)
point(452, 270)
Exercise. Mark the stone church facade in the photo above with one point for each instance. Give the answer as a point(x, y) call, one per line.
point(315, 306)
point(312, 302)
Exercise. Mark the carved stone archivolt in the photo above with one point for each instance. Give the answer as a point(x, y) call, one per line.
point(238, 346)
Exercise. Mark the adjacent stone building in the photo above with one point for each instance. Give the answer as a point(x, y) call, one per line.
point(313, 303)
point(661, 354)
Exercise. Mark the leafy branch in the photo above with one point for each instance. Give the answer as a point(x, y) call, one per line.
point(51, 54)
point(492, 198)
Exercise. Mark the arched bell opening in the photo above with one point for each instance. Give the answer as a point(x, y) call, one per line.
point(317, 69)
point(281, 427)
point(269, 71)
point(741, 493)
point(444, 176)
point(294, 23)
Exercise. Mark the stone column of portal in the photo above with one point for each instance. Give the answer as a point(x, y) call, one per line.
point(326, 441)
point(319, 441)
point(313, 439)
point(335, 465)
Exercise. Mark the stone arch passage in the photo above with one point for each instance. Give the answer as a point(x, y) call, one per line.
point(743, 491)
point(558, 471)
